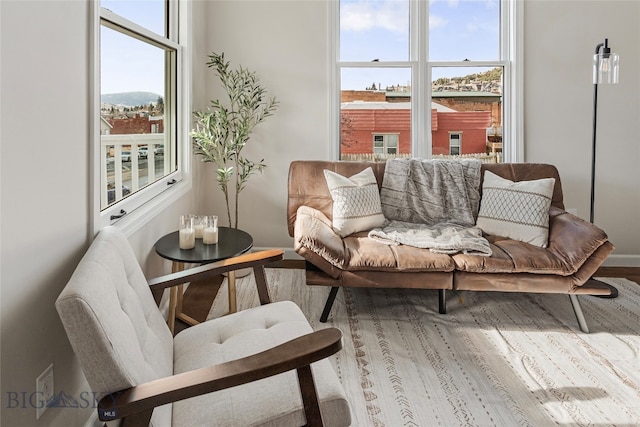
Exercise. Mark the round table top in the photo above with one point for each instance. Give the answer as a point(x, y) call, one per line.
point(231, 242)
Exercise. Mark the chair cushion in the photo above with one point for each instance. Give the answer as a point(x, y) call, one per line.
point(273, 401)
point(112, 321)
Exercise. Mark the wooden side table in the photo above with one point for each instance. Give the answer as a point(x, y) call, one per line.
point(231, 242)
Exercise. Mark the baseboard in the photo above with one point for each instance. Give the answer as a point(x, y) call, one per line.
point(622, 261)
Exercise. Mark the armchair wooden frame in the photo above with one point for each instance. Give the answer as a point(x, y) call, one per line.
point(135, 405)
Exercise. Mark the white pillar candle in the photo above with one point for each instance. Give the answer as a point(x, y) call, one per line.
point(199, 230)
point(187, 238)
point(210, 236)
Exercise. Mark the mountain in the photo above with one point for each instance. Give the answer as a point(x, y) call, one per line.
point(129, 99)
point(493, 75)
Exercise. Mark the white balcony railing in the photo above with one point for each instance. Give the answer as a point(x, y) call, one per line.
point(130, 162)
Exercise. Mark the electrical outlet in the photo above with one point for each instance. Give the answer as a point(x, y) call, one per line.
point(44, 390)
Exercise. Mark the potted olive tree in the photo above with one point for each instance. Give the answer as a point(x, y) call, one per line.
point(223, 130)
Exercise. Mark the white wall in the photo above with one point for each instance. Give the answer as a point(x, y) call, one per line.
point(45, 219)
point(286, 43)
point(44, 132)
point(560, 40)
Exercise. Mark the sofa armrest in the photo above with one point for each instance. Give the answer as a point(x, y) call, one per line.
point(137, 403)
point(572, 239)
point(315, 240)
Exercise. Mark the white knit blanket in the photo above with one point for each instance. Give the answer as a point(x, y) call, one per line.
point(444, 238)
point(432, 204)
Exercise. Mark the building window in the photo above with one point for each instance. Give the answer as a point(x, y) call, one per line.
point(385, 144)
point(455, 144)
point(422, 70)
point(141, 103)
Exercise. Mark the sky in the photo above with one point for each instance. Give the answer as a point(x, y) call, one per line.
point(369, 29)
point(129, 65)
point(379, 29)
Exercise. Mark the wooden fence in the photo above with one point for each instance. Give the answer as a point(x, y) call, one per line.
point(370, 157)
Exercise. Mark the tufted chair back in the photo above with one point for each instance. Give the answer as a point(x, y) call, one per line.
point(113, 322)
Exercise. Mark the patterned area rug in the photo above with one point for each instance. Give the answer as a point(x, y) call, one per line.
point(496, 359)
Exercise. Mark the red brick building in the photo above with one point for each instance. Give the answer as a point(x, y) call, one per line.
point(140, 123)
point(379, 122)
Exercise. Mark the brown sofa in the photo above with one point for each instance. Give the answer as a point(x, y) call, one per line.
point(575, 250)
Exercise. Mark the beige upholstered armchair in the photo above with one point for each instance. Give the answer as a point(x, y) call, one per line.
point(237, 370)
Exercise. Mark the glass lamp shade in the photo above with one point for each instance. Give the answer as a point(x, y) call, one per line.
point(605, 68)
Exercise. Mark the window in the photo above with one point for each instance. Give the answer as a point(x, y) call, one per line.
point(385, 144)
point(424, 71)
point(455, 144)
point(141, 98)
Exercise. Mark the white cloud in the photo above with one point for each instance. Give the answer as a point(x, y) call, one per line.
point(452, 3)
point(390, 15)
point(436, 21)
point(492, 4)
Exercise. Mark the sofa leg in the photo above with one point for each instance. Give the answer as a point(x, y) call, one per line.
point(327, 307)
point(442, 301)
point(578, 311)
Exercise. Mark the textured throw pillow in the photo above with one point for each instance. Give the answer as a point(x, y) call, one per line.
point(356, 202)
point(517, 210)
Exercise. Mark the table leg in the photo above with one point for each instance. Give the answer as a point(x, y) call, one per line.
point(231, 279)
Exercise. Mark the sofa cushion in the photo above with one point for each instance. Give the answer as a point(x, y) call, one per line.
point(356, 202)
point(572, 243)
point(518, 210)
point(513, 256)
point(367, 254)
point(273, 401)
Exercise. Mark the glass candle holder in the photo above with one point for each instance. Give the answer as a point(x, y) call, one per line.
point(210, 231)
point(199, 226)
point(187, 232)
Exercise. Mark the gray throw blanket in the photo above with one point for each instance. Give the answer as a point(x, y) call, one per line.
point(431, 191)
point(440, 198)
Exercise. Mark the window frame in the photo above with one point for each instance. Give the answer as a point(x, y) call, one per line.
point(511, 59)
point(143, 205)
point(458, 144)
point(385, 142)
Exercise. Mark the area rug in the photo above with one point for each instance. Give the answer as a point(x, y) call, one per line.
point(495, 359)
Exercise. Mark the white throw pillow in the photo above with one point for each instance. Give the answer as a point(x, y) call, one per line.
point(356, 202)
point(517, 210)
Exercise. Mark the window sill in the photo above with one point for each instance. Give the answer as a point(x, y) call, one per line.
point(143, 215)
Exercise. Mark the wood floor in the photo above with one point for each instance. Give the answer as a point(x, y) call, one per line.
point(631, 273)
point(199, 296)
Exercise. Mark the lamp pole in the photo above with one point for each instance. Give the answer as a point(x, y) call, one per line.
point(605, 70)
point(593, 144)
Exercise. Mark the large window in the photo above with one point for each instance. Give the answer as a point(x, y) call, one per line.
point(139, 149)
point(426, 71)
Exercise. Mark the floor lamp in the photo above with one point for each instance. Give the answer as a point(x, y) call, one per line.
point(605, 71)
